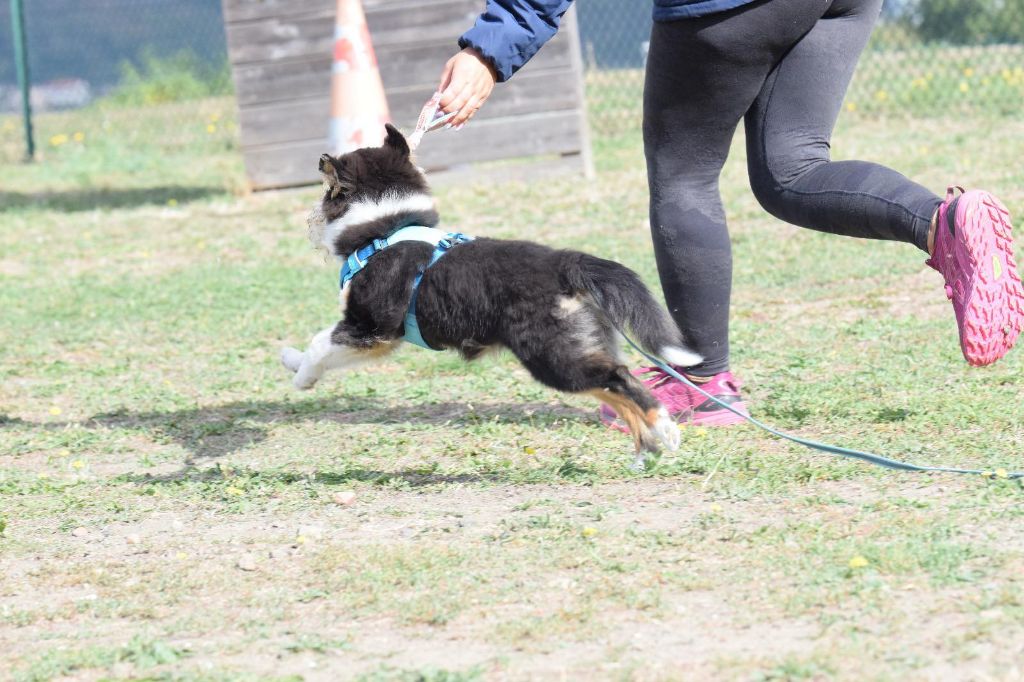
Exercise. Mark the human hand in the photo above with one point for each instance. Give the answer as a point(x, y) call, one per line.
point(466, 83)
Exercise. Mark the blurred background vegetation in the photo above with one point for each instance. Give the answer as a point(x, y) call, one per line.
point(122, 80)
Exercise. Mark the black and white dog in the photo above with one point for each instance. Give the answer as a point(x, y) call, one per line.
point(559, 312)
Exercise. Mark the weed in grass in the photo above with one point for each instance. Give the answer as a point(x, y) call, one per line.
point(390, 674)
point(795, 669)
point(140, 651)
point(316, 644)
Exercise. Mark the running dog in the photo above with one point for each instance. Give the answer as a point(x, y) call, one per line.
point(559, 312)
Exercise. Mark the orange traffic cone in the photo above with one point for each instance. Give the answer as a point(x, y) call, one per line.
point(359, 108)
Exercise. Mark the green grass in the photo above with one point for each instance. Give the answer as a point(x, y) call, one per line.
point(149, 441)
point(177, 78)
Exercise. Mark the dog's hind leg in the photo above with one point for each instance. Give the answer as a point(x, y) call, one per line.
point(599, 374)
point(647, 419)
point(325, 352)
point(580, 354)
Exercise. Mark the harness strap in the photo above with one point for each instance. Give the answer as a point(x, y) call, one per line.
point(442, 242)
point(412, 327)
point(357, 260)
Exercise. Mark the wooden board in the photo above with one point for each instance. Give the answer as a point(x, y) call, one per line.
point(417, 11)
point(401, 67)
point(280, 54)
point(291, 121)
point(295, 163)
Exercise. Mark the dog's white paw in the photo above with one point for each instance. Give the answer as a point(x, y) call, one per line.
point(291, 358)
point(667, 430)
point(304, 380)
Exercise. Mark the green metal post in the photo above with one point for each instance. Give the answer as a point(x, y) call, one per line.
point(21, 64)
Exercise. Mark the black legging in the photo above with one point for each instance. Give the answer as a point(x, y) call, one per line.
point(783, 66)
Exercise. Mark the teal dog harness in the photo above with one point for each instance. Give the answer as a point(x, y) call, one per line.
point(441, 241)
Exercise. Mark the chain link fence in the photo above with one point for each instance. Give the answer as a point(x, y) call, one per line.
point(926, 58)
point(118, 79)
point(127, 79)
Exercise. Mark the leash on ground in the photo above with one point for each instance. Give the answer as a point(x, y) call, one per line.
point(877, 460)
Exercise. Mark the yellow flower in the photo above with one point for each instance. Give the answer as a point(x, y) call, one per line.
point(55, 410)
point(78, 137)
point(58, 140)
point(851, 106)
point(64, 453)
point(181, 556)
point(858, 562)
point(701, 432)
point(210, 128)
point(716, 508)
point(881, 95)
point(1006, 74)
point(214, 118)
point(589, 532)
point(919, 83)
point(77, 464)
point(232, 490)
point(964, 87)
point(968, 72)
point(986, 474)
point(1001, 473)
point(172, 202)
point(530, 450)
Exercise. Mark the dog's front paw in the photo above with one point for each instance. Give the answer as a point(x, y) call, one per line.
point(291, 358)
point(304, 380)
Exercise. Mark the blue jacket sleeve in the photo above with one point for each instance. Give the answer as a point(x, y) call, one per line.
point(509, 32)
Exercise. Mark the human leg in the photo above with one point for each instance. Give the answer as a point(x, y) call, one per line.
point(788, 131)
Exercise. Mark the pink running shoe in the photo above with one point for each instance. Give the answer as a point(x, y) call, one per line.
point(685, 404)
point(974, 252)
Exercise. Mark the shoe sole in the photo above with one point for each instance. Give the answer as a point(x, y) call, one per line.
point(993, 314)
point(716, 418)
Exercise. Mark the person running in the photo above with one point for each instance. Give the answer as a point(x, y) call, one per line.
point(783, 67)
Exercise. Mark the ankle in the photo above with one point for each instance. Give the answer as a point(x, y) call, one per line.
point(931, 231)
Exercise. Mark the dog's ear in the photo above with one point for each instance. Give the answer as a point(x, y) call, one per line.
point(330, 171)
point(396, 140)
point(327, 168)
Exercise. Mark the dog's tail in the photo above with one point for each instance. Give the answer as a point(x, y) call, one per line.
point(621, 295)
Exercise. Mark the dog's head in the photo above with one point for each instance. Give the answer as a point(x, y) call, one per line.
point(367, 185)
